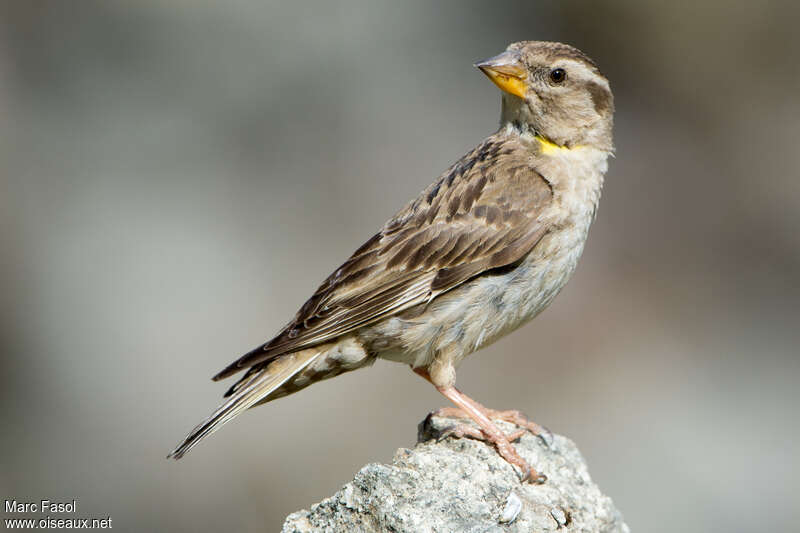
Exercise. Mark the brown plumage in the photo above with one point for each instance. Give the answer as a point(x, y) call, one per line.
point(463, 224)
point(482, 250)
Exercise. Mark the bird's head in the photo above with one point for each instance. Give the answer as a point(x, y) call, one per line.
point(554, 90)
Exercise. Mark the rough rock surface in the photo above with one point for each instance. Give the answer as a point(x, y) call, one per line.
point(463, 485)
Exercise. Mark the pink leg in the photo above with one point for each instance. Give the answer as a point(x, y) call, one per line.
point(512, 416)
point(490, 431)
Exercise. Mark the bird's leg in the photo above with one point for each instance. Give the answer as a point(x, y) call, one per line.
point(461, 431)
point(511, 416)
point(491, 432)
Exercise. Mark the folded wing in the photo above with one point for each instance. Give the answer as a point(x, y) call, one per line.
point(468, 222)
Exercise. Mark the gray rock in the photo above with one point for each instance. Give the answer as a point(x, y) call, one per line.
point(463, 485)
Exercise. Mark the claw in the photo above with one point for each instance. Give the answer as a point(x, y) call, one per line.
point(546, 437)
point(533, 477)
point(540, 479)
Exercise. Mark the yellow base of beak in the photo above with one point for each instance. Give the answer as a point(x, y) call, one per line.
point(507, 72)
point(509, 84)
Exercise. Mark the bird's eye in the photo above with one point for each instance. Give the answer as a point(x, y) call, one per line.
point(558, 75)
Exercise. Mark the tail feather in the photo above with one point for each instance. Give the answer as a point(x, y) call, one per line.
point(247, 394)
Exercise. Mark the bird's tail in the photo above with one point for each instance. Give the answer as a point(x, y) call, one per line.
point(250, 391)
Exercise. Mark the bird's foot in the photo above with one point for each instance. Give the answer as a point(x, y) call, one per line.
point(499, 440)
point(462, 431)
point(489, 432)
point(511, 416)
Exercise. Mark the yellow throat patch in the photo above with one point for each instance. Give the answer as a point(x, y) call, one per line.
point(549, 147)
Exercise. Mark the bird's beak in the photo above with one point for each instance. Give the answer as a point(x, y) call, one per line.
point(507, 72)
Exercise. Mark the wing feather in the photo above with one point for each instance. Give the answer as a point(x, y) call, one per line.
point(483, 213)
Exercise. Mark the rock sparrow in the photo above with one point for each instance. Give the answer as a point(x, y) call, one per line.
point(481, 251)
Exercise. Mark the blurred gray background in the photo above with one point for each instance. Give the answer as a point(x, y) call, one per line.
point(177, 178)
